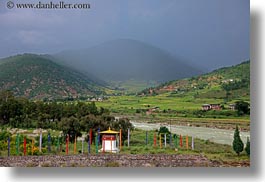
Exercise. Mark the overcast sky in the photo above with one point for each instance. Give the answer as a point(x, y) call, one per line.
point(209, 33)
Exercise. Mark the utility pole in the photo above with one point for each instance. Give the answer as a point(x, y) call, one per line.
point(170, 125)
point(170, 139)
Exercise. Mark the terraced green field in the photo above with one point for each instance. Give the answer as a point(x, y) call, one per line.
point(178, 110)
point(163, 101)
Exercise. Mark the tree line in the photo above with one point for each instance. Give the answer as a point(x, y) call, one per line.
point(70, 117)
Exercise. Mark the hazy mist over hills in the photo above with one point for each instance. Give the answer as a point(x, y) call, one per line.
point(209, 33)
point(125, 59)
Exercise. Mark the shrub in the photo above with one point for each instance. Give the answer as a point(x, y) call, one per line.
point(242, 108)
point(238, 145)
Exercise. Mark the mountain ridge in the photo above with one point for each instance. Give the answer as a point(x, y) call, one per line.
point(224, 83)
point(36, 76)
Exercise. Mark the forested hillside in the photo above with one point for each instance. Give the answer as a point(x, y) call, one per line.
point(37, 77)
point(224, 83)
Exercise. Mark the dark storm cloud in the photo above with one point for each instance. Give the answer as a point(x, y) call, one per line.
point(209, 33)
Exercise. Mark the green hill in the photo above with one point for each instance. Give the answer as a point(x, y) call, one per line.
point(38, 77)
point(224, 83)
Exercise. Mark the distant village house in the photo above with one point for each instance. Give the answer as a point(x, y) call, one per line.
point(206, 107)
point(232, 107)
point(96, 99)
point(151, 110)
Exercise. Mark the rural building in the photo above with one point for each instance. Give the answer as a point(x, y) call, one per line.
point(232, 107)
point(151, 91)
point(151, 110)
point(206, 107)
point(215, 106)
point(168, 88)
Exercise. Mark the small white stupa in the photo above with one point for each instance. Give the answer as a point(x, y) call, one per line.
point(109, 142)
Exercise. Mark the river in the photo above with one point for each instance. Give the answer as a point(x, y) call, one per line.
point(221, 136)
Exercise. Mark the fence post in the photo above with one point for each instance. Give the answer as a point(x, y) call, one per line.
point(88, 142)
point(160, 141)
point(75, 145)
point(192, 143)
point(128, 137)
point(25, 146)
point(187, 142)
point(90, 136)
point(32, 147)
point(17, 144)
point(146, 138)
point(120, 140)
point(40, 142)
point(96, 140)
point(8, 146)
point(58, 144)
point(49, 142)
point(180, 141)
point(82, 145)
point(67, 144)
point(170, 140)
point(176, 141)
point(155, 139)
point(165, 138)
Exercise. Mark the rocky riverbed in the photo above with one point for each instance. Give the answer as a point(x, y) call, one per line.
point(212, 134)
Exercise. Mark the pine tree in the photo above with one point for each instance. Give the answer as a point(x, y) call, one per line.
point(247, 149)
point(238, 145)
